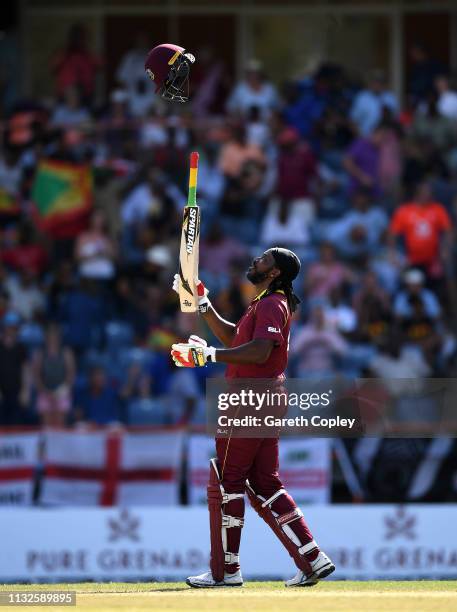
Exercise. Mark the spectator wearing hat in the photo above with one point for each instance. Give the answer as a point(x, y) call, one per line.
point(14, 388)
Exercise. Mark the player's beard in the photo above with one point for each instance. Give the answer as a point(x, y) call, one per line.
point(256, 277)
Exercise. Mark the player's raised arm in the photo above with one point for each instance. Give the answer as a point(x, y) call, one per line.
point(222, 329)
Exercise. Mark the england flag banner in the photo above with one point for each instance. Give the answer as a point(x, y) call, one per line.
point(305, 468)
point(112, 467)
point(18, 460)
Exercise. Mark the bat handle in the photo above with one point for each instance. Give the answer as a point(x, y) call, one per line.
point(192, 199)
point(194, 159)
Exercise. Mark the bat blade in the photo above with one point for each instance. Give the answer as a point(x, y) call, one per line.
point(188, 259)
point(190, 241)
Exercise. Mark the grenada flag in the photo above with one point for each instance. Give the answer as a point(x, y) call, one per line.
point(62, 193)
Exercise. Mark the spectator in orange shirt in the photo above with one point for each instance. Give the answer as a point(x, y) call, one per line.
point(425, 227)
point(237, 152)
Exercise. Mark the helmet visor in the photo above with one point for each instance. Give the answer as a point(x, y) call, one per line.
point(176, 87)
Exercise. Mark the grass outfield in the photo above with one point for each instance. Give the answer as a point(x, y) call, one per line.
point(332, 596)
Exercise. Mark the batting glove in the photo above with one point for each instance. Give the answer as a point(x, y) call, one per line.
point(195, 353)
point(202, 294)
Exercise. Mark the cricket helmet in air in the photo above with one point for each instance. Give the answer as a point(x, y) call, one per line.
point(169, 67)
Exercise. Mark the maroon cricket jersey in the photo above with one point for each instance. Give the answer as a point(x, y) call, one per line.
point(267, 318)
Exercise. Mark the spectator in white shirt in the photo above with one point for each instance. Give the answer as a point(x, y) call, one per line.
point(371, 104)
point(447, 98)
point(255, 90)
point(71, 113)
point(132, 76)
point(26, 297)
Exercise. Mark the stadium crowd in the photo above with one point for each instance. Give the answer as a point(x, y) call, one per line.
point(361, 188)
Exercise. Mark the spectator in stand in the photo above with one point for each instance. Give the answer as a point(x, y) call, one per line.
point(426, 228)
point(14, 389)
point(315, 347)
point(75, 65)
point(358, 234)
point(95, 251)
point(373, 104)
point(121, 135)
point(219, 250)
point(27, 250)
point(373, 309)
point(362, 162)
point(71, 112)
point(132, 76)
point(26, 296)
point(307, 101)
point(296, 167)
point(326, 274)
point(421, 330)
point(136, 383)
point(209, 84)
point(424, 70)
point(288, 222)
point(153, 196)
point(394, 362)
point(61, 284)
point(414, 287)
point(258, 132)
point(233, 300)
point(447, 97)
point(339, 314)
point(82, 312)
point(429, 125)
point(97, 403)
point(254, 90)
point(54, 371)
point(237, 152)
point(11, 172)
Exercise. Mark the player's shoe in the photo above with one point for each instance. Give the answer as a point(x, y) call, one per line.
point(322, 567)
point(206, 581)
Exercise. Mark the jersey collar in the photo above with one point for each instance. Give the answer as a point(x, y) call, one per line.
point(262, 293)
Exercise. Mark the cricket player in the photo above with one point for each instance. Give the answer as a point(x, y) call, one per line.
point(256, 347)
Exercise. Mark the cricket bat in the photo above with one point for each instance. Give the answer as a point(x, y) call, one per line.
point(190, 240)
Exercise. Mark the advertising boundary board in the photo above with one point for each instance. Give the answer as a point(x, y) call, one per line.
point(145, 544)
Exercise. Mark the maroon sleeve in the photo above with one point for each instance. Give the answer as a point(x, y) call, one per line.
point(270, 318)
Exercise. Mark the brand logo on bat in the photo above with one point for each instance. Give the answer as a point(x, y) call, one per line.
point(187, 303)
point(191, 229)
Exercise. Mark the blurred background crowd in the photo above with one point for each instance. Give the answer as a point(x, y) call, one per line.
point(361, 187)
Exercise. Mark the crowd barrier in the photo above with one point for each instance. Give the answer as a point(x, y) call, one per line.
point(138, 543)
